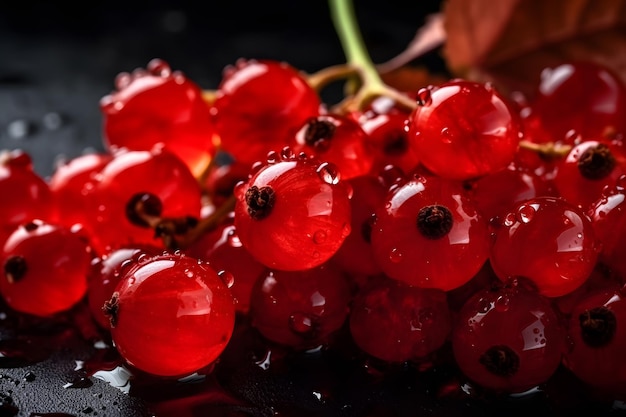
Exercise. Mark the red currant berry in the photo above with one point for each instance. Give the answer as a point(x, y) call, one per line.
point(583, 96)
point(222, 249)
point(396, 322)
point(158, 105)
point(337, 139)
point(588, 168)
point(355, 255)
point(598, 339)
point(300, 309)
point(463, 130)
point(293, 213)
point(45, 268)
point(26, 196)
point(547, 240)
point(106, 272)
point(508, 338)
point(171, 315)
point(425, 223)
point(608, 216)
point(260, 105)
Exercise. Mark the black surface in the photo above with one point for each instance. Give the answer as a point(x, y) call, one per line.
point(58, 58)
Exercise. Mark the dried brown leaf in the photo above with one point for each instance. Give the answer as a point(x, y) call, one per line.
point(511, 41)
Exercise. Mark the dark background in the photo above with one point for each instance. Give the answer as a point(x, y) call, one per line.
point(58, 58)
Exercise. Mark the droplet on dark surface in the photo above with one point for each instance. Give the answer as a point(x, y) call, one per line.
point(20, 129)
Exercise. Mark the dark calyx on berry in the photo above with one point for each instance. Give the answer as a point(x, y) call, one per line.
point(111, 308)
point(15, 268)
point(142, 207)
point(395, 145)
point(318, 133)
point(596, 162)
point(500, 360)
point(434, 221)
point(30, 226)
point(260, 201)
point(597, 326)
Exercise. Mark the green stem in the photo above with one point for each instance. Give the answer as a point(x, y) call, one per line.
point(357, 56)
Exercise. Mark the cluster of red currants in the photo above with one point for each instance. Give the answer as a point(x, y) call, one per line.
point(485, 221)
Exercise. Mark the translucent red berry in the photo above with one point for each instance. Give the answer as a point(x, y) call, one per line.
point(260, 104)
point(300, 309)
point(157, 105)
point(464, 130)
point(396, 322)
point(44, 268)
point(547, 240)
point(425, 223)
point(293, 213)
point(508, 338)
point(171, 315)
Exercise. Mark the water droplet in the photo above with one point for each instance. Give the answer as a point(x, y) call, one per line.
point(319, 237)
point(483, 305)
point(446, 135)
point(395, 255)
point(303, 324)
point(424, 97)
point(189, 274)
point(287, 153)
point(227, 278)
point(272, 157)
point(122, 80)
point(53, 121)
point(525, 213)
point(502, 303)
point(509, 219)
point(328, 173)
point(21, 129)
point(233, 239)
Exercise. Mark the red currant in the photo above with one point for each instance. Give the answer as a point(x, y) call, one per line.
point(293, 213)
point(45, 268)
point(463, 130)
point(158, 105)
point(171, 315)
point(300, 309)
point(547, 240)
point(508, 338)
point(423, 224)
point(260, 104)
point(396, 322)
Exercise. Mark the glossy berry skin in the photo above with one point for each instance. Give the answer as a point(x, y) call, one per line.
point(583, 96)
point(396, 322)
point(300, 309)
point(26, 195)
point(105, 273)
point(293, 213)
point(158, 105)
point(171, 315)
point(608, 216)
point(45, 268)
point(564, 248)
point(508, 338)
point(260, 104)
point(222, 248)
point(355, 256)
point(425, 223)
point(464, 130)
point(496, 193)
point(337, 139)
point(171, 190)
point(597, 335)
point(71, 184)
point(587, 170)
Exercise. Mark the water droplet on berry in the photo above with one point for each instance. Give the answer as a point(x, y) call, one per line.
point(233, 239)
point(227, 277)
point(302, 324)
point(272, 157)
point(395, 255)
point(319, 237)
point(424, 97)
point(122, 80)
point(525, 213)
point(509, 219)
point(502, 303)
point(287, 153)
point(328, 173)
point(159, 67)
point(188, 273)
point(446, 135)
point(483, 305)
